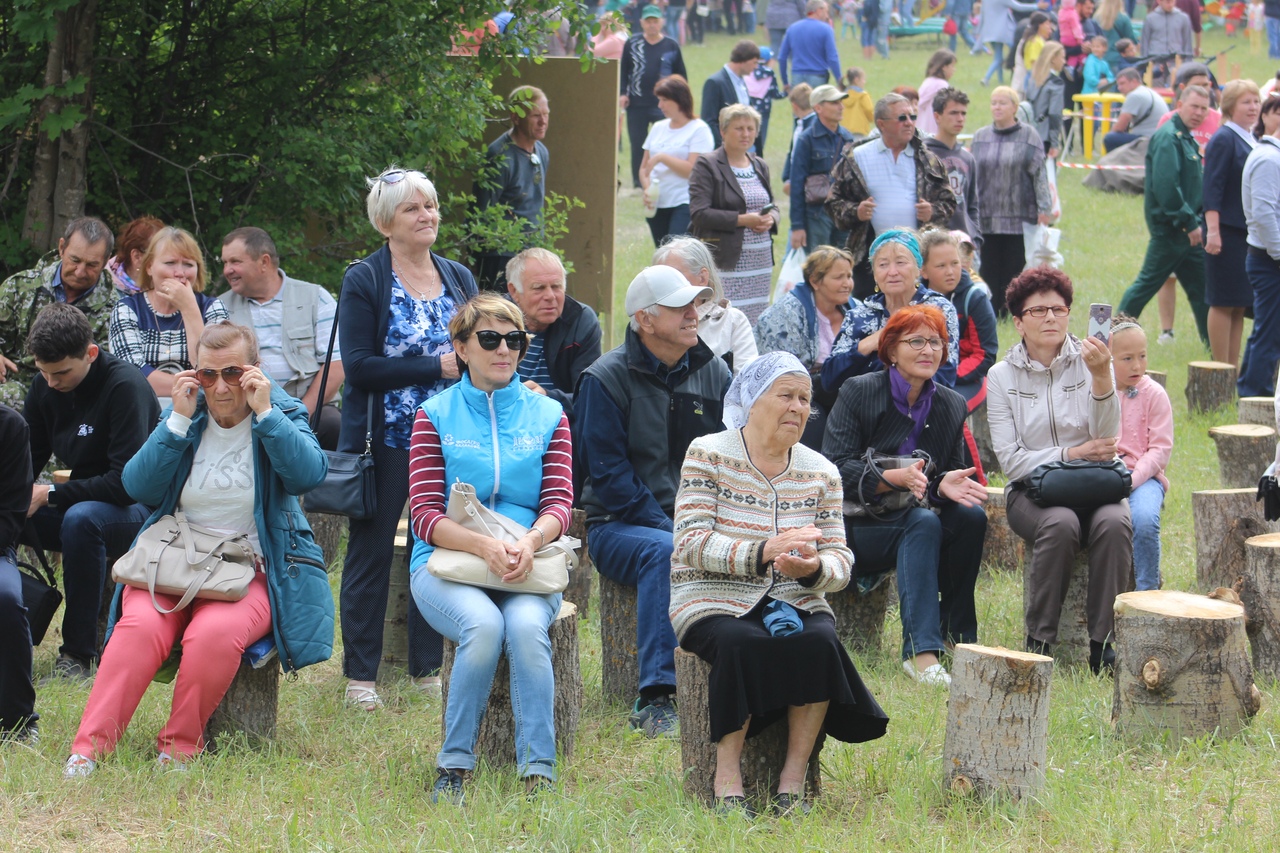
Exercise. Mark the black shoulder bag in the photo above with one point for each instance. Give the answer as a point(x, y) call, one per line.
point(894, 504)
point(1080, 484)
point(40, 594)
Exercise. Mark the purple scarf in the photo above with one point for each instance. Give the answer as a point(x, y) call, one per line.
point(899, 388)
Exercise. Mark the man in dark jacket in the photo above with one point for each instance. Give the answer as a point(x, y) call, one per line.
point(94, 411)
point(728, 85)
point(566, 333)
point(639, 406)
point(647, 58)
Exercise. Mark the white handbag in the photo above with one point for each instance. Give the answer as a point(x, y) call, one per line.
point(551, 563)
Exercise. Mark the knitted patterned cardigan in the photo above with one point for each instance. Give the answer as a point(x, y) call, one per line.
point(726, 509)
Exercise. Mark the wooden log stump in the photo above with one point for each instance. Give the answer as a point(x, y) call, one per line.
point(1256, 410)
point(1211, 385)
point(1073, 624)
point(249, 705)
point(579, 589)
point(997, 735)
point(395, 624)
point(1159, 377)
point(1244, 452)
point(1182, 666)
point(1259, 591)
point(496, 741)
point(762, 755)
point(1223, 520)
point(860, 616)
point(329, 531)
point(620, 657)
point(981, 430)
point(1002, 549)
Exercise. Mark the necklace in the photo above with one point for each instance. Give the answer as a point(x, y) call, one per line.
point(420, 293)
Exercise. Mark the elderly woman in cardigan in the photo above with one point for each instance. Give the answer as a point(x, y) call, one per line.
point(759, 540)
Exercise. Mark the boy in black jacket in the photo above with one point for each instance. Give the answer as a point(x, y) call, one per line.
point(17, 696)
point(95, 412)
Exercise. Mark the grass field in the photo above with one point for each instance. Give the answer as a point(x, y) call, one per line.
point(337, 779)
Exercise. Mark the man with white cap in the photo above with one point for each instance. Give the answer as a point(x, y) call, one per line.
point(638, 407)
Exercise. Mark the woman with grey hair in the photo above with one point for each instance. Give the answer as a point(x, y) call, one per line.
point(725, 329)
point(395, 309)
point(759, 541)
point(733, 212)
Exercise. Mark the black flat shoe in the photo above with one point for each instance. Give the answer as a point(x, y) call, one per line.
point(734, 805)
point(790, 805)
point(1102, 658)
point(1037, 647)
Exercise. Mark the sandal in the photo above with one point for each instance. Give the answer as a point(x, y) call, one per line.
point(429, 685)
point(364, 698)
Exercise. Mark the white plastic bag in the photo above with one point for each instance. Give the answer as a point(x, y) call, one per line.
point(1055, 209)
point(1040, 242)
point(791, 274)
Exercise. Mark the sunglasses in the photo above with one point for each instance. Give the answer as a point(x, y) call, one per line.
point(395, 176)
point(906, 117)
point(208, 377)
point(490, 339)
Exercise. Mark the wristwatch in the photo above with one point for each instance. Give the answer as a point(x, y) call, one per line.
point(51, 499)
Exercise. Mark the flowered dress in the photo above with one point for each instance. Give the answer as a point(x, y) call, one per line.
point(747, 284)
point(417, 327)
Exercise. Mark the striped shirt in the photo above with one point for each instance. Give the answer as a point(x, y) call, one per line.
point(892, 183)
point(149, 340)
point(534, 364)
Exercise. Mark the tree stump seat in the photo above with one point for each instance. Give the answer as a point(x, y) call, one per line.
point(251, 702)
point(981, 429)
point(860, 614)
point(1244, 452)
point(1256, 410)
point(1002, 549)
point(1211, 385)
point(328, 531)
point(579, 589)
point(1223, 519)
point(619, 651)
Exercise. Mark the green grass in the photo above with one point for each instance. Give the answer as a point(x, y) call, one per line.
point(336, 779)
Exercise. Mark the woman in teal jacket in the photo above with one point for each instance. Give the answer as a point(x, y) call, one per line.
point(233, 457)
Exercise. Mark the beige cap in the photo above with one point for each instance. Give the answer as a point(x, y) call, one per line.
point(826, 92)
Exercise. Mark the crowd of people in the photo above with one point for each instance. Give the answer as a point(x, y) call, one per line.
point(738, 455)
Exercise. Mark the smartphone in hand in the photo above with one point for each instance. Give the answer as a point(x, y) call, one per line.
point(1100, 322)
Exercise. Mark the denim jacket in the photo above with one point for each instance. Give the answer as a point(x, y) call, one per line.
point(817, 150)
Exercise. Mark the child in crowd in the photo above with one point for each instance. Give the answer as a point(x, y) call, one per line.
point(762, 87)
point(968, 258)
point(1146, 442)
point(859, 112)
point(937, 76)
point(1071, 33)
point(1097, 72)
point(1128, 54)
point(850, 12)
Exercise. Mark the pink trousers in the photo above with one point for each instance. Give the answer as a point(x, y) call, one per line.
point(214, 635)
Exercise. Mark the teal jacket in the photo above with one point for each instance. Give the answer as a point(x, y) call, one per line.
point(1174, 197)
point(287, 461)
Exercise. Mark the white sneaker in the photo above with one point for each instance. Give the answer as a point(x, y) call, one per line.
point(165, 761)
point(1166, 337)
point(78, 766)
point(934, 675)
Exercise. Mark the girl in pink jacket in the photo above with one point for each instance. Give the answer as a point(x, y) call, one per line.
point(1146, 441)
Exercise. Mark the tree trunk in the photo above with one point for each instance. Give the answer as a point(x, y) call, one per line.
point(579, 589)
point(1159, 377)
point(1002, 549)
point(981, 430)
point(1224, 519)
point(496, 741)
point(249, 706)
point(762, 755)
point(395, 625)
point(1211, 385)
point(1256, 410)
point(619, 656)
point(1259, 590)
point(997, 735)
point(860, 616)
point(1182, 666)
point(1073, 625)
point(1244, 452)
point(328, 531)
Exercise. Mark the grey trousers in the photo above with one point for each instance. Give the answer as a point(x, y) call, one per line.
point(1054, 536)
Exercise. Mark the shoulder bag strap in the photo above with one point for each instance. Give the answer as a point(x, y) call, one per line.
point(32, 535)
point(324, 374)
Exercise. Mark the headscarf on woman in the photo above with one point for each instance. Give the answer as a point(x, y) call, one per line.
point(755, 379)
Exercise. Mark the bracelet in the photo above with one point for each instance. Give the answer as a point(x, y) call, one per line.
point(541, 535)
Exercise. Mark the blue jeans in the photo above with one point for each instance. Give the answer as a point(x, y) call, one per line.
point(936, 556)
point(1116, 138)
point(821, 230)
point(486, 624)
point(17, 696)
point(86, 533)
point(965, 31)
point(882, 34)
point(1262, 352)
point(775, 39)
point(904, 12)
point(1273, 38)
point(669, 222)
point(1145, 503)
point(997, 63)
point(674, 14)
point(814, 80)
point(641, 557)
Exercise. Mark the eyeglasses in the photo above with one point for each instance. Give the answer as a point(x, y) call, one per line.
point(490, 339)
point(906, 117)
point(208, 377)
point(1039, 311)
point(919, 344)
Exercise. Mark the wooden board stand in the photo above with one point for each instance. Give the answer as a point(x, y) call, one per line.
point(620, 657)
point(997, 737)
point(1182, 666)
point(860, 616)
point(1259, 590)
point(762, 755)
point(1256, 410)
point(1244, 452)
point(1073, 624)
point(1002, 549)
point(249, 706)
point(1211, 385)
point(496, 741)
point(1224, 519)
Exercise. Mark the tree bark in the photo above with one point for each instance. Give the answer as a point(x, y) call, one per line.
point(1244, 452)
point(860, 616)
point(1211, 385)
point(1223, 520)
point(579, 589)
point(997, 736)
point(762, 755)
point(249, 705)
point(395, 625)
point(1182, 666)
point(1256, 410)
point(981, 430)
point(1073, 625)
point(1002, 549)
point(328, 531)
point(1259, 590)
point(496, 741)
point(620, 658)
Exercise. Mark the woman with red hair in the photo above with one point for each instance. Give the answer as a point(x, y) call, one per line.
point(935, 541)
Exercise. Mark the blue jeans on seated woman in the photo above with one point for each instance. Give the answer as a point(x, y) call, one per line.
point(1145, 503)
point(935, 555)
point(486, 624)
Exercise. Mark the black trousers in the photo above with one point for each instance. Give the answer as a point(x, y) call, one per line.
point(1003, 257)
point(639, 119)
point(17, 695)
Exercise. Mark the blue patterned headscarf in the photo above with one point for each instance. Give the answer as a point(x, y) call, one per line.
point(904, 236)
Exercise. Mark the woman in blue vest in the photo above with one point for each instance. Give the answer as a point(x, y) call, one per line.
point(512, 444)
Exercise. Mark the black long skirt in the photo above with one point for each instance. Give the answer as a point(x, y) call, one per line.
point(757, 675)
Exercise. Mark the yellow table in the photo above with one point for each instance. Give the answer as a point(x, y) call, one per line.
point(1087, 102)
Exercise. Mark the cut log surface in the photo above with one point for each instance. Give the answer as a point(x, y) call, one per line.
point(249, 706)
point(1002, 549)
point(1223, 520)
point(762, 755)
point(395, 624)
point(1072, 646)
point(620, 658)
point(1256, 410)
point(328, 531)
point(496, 741)
point(981, 429)
point(579, 589)
point(1182, 666)
point(1211, 385)
point(860, 617)
point(1159, 377)
point(1259, 589)
point(997, 736)
point(1244, 452)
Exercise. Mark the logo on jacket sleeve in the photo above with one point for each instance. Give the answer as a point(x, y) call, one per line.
point(85, 429)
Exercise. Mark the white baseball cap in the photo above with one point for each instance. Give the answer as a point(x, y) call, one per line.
point(661, 285)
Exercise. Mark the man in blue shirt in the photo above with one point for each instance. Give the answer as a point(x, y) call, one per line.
point(811, 46)
point(816, 151)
